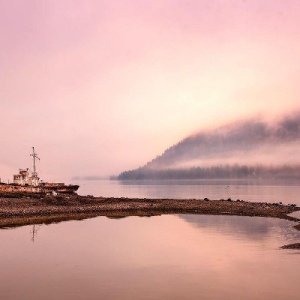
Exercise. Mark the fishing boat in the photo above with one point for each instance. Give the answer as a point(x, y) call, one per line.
point(26, 182)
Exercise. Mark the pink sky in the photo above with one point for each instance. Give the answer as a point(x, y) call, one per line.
point(103, 86)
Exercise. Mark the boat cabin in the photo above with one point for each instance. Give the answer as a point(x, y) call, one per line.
point(23, 178)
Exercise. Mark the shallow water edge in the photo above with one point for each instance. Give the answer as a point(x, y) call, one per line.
point(50, 209)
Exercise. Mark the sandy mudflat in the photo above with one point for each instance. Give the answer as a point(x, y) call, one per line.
point(29, 210)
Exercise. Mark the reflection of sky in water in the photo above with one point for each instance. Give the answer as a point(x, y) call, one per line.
point(296, 214)
point(251, 190)
point(245, 227)
point(163, 257)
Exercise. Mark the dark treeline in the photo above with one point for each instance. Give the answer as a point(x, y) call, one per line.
point(233, 171)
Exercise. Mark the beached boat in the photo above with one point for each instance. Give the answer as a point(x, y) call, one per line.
point(24, 182)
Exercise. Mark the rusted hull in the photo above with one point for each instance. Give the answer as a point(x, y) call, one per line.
point(12, 188)
point(66, 189)
point(44, 189)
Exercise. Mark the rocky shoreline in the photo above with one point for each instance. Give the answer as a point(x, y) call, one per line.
point(28, 210)
point(49, 207)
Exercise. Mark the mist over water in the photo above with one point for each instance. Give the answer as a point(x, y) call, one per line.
point(251, 148)
point(246, 142)
point(102, 86)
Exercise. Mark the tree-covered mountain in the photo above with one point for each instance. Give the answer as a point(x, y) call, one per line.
point(243, 149)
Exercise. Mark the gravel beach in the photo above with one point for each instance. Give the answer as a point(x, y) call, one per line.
point(31, 210)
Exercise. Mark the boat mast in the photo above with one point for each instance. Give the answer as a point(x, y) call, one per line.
point(34, 156)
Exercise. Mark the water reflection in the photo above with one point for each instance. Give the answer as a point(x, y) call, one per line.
point(245, 227)
point(162, 257)
point(33, 232)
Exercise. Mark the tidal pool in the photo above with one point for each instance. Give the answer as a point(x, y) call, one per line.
point(162, 257)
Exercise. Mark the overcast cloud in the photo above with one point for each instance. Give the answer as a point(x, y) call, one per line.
point(99, 87)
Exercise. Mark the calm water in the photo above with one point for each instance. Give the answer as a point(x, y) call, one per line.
point(285, 191)
point(163, 257)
